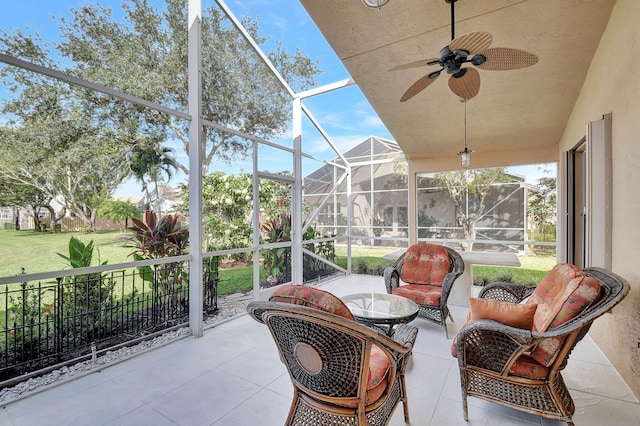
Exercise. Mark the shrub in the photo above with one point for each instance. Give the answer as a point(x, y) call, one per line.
point(86, 297)
point(157, 238)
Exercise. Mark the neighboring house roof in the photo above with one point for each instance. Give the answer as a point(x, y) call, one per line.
point(369, 149)
point(133, 199)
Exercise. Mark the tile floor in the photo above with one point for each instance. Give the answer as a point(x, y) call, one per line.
point(232, 376)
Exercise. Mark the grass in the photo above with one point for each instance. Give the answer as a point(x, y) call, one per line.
point(365, 260)
point(36, 252)
point(533, 268)
point(530, 271)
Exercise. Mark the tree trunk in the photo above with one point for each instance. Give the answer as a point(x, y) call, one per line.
point(469, 228)
point(52, 217)
point(36, 219)
point(17, 219)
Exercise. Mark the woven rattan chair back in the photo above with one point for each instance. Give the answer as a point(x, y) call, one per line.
point(327, 359)
point(486, 351)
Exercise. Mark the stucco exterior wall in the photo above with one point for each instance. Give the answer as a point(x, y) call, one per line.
point(612, 85)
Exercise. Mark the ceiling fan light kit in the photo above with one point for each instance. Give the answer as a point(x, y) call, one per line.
point(472, 48)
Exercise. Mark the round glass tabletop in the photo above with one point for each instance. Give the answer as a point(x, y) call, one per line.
point(381, 308)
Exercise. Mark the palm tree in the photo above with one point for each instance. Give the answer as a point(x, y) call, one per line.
point(149, 163)
point(119, 211)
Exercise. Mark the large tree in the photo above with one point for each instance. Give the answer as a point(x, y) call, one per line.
point(74, 141)
point(543, 206)
point(466, 185)
point(53, 144)
point(145, 54)
point(16, 194)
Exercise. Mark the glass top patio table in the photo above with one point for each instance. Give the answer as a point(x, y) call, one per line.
point(381, 309)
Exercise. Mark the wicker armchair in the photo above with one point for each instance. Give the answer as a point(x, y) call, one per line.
point(330, 360)
point(425, 273)
point(497, 361)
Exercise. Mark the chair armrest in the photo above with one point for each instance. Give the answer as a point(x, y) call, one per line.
point(493, 346)
point(506, 292)
point(391, 278)
point(405, 334)
point(255, 311)
point(447, 286)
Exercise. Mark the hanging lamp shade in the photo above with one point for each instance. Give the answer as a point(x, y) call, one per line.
point(465, 157)
point(465, 154)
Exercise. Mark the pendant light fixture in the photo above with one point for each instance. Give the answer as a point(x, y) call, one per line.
point(465, 154)
point(375, 4)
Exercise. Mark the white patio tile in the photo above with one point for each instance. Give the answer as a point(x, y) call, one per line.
point(594, 410)
point(142, 416)
point(264, 408)
point(233, 376)
point(206, 399)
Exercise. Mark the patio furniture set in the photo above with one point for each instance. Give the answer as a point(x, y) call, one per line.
point(347, 357)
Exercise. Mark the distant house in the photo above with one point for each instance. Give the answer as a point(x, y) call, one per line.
point(165, 202)
point(379, 193)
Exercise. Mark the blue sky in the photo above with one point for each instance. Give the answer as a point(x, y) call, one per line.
point(345, 115)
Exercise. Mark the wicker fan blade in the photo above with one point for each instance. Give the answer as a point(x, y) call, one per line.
point(466, 86)
point(418, 86)
point(415, 64)
point(506, 58)
point(471, 42)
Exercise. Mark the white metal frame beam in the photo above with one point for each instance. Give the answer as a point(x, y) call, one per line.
point(195, 168)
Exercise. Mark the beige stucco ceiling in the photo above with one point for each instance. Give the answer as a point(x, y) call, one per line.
point(517, 109)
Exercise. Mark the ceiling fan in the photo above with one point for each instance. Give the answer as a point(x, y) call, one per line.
point(472, 48)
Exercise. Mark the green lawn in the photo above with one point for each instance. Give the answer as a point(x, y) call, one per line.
point(532, 269)
point(36, 251)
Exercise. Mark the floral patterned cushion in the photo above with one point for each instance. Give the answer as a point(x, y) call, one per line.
point(425, 264)
point(311, 297)
point(529, 368)
point(377, 382)
point(422, 294)
point(561, 295)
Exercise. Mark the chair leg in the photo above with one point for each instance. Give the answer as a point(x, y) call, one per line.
point(465, 409)
point(294, 406)
point(444, 324)
point(403, 397)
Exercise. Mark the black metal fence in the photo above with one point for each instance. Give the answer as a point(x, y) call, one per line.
point(44, 323)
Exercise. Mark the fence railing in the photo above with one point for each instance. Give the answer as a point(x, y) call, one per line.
point(49, 318)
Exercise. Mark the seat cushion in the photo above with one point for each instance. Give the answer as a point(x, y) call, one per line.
point(529, 368)
point(311, 297)
point(379, 365)
point(561, 296)
point(425, 264)
point(422, 294)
